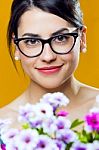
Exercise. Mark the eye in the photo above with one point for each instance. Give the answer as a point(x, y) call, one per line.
point(61, 38)
point(31, 42)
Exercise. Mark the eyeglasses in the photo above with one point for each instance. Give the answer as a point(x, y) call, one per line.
point(60, 44)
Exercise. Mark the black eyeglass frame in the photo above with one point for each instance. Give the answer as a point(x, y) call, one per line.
point(44, 41)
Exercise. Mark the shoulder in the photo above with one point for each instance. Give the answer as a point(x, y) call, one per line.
point(5, 112)
point(13, 106)
point(89, 94)
point(10, 115)
point(85, 91)
point(5, 118)
point(11, 111)
point(89, 90)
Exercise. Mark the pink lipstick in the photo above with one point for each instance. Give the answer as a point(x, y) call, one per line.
point(49, 70)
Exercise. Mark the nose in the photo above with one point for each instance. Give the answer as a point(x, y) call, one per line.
point(48, 55)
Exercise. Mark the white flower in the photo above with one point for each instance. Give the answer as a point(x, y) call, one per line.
point(26, 140)
point(66, 135)
point(55, 99)
point(9, 135)
point(46, 143)
point(97, 99)
point(79, 146)
point(43, 110)
point(96, 145)
point(60, 98)
point(11, 146)
point(26, 112)
point(35, 122)
point(4, 125)
point(49, 126)
point(62, 123)
point(94, 110)
point(60, 144)
point(44, 129)
point(90, 146)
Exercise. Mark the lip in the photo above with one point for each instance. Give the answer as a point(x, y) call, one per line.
point(50, 70)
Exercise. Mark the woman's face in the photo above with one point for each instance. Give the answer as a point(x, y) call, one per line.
point(49, 70)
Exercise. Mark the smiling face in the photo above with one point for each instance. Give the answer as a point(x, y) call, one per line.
point(49, 70)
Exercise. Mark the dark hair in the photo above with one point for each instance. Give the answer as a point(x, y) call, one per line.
point(66, 9)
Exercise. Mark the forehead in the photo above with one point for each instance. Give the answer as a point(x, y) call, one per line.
point(40, 22)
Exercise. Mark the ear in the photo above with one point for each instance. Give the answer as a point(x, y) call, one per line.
point(13, 36)
point(16, 53)
point(83, 40)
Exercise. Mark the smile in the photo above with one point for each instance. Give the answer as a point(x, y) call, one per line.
point(50, 70)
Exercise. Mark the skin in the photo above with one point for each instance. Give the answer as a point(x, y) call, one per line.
point(82, 97)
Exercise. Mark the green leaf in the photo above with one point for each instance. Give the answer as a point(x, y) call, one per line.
point(85, 137)
point(97, 136)
point(68, 146)
point(76, 123)
point(40, 131)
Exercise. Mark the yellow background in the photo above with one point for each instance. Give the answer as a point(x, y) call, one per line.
point(12, 84)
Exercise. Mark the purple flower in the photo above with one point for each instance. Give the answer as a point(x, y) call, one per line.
point(3, 146)
point(62, 123)
point(61, 145)
point(9, 135)
point(49, 126)
point(26, 140)
point(92, 120)
point(26, 112)
point(56, 100)
point(62, 113)
point(66, 135)
point(45, 143)
point(43, 110)
point(96, 145)
point(79, 146)
point(35, 123)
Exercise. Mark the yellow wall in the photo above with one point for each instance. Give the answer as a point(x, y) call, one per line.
point(12, 84)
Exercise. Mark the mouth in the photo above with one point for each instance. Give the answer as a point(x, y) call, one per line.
point(50, 69)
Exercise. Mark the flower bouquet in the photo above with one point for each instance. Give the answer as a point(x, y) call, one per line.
point(44, 129)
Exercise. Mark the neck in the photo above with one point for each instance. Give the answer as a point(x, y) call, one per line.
point(70, 88)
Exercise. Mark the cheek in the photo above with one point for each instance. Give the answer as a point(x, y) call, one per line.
point(71, 59)
point(68, 57)
point(73, 56)
point(27, 63)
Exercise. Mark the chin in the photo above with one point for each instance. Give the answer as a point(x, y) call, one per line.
point(49, 83)
point(52, 87)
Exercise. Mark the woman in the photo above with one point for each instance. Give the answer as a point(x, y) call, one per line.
point(49, 36)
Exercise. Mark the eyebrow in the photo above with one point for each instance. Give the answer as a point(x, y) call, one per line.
point(31, 35)
point(59, 31)
point(53, 34)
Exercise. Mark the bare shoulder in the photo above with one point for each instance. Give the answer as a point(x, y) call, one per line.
point(6, 112)
point(3, 111)
point(89, 94)
point(89, 90)
point(84, 101)
point(12, 108)
point(11, 111)
point(11, 114)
